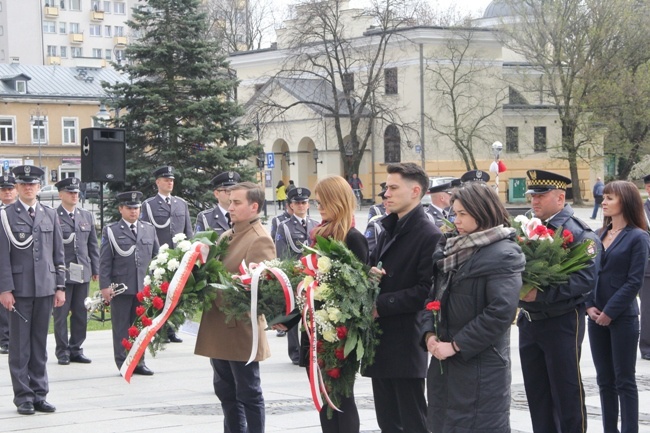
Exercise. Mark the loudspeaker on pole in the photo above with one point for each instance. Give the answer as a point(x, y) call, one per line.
point(103, 155)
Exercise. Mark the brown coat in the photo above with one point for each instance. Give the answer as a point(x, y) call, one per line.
point(232, 341)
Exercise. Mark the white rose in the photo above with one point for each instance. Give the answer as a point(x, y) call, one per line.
point(158, 273)
point(162, 258)
point(184, 245)
point(324, 264)
point(153, 265)
point(147, 280)
point(330, 335)
point(163, 248)
point(321, 316)
point(179, 237)
point(173, 264)
point(521, 219)
point(334, 314)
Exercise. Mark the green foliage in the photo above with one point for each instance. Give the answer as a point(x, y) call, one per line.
point(178, 108)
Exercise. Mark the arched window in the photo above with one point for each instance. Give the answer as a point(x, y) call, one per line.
point(392, 148)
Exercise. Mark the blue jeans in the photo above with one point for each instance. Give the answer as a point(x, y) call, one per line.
point(613, 349)
point(597, 201)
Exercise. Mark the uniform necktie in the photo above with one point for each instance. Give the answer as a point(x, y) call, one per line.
point(304, 223)
point(133, 230)
point(228, 219)
point(445, 214)
point(31, 213)
point(167, 200)
point(71, 214)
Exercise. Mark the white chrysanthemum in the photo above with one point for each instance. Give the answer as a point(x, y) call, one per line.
point(153, 265)
point(334, 314)
point(163, 248)
point(330, 335)
point(324, 264)
point(321, 316)
point(162, 258)
point(158, 273)
point(173, 264)
point(184, 245)
point(147, 280)
point(179, 237)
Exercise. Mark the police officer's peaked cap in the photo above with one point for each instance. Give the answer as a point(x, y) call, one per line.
point(27, 174)
point(7, 181)
point(298, 194)
point(646, 179)
point(130, 198)
point(540, 181)
point(70, 184)
point(166, 171)
point(443, 187)
point(227, 178)
point(474, 176)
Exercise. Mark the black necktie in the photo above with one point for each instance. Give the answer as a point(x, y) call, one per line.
point(71, 216)
point(167, 200)
point(31, 213)
point(133, 230)
point(304, 223)
point(228, 219)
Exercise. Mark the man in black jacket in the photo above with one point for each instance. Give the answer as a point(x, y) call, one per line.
point(405, 249)
point(552, 320)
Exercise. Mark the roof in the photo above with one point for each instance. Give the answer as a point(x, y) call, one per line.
point(315, 90)
point(57, 81)
point(502, 9)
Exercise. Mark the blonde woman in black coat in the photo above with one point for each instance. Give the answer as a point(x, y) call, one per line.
point(478, 278)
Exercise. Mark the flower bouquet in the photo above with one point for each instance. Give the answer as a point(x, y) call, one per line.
point(550, 256)
point(337, 298)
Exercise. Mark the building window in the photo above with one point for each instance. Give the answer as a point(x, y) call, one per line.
point(39, 130)
point(74, 28)
point(540, 139)
point(97, 53)
point(108, 54)
point(347, 80)
point(392, 147)
point(512, 139)
point(119, 55)
point(64, 52)
point(62, 28)
point(51, 50)
point(49, 27)
point(75, 5)
point(119, 31)
point(108, 31)
point(76, 52)
point(94, 4)
point(95, 30)
point(21, 86)
point(69, 131)
point(6, 130)
point(390, 81)
point(107, 7)
point(119, 8)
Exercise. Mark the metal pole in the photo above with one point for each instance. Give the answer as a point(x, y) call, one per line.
point(422, 153)
point(101, 208)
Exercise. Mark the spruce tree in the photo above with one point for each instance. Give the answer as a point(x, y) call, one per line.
point(178, 107)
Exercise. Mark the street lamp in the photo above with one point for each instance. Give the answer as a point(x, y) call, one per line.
point(287, 158)
point(102, 117)
point(314, 155)
point(496, 149)
point(38, 118)
point(261, 157)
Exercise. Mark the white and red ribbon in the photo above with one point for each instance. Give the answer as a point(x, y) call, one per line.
point(198, 251)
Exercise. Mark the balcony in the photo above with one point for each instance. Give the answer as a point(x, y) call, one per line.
point(53, 60)
point(119, 41)
point(97, 16)
point(51, 11)
point(76, 38)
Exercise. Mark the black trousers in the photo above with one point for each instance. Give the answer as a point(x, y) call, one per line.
point(75, 294)
point(346, 421)
point(400, 405)
point(550, 352)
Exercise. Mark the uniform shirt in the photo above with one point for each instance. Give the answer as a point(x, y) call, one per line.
point(80, 241)
point(214, 219)
point(275, 222)
point(291, 235)
point(168, 219)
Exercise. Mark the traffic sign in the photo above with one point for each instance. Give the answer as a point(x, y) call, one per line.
point(5, 165)
point(270, 160)
point(418, 148)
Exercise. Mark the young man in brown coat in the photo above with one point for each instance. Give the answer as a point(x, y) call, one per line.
point(228, 344)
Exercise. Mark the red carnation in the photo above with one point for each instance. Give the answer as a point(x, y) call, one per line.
point(339, 353)
point(147, 291)
point(341, 332)
point(319, 346)
point(140, 310)
point(320, 363)
point(334, 373)
point(133, 331)
point(433, 306)
point(164, 287)
point(550, 232)
point(158, 303)
point(126, 344)
point(146, 321)
point(568, 236)
point(540, 230)
point(140, 296)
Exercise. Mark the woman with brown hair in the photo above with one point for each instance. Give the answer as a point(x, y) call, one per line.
point(466, 326)
point(612, 306)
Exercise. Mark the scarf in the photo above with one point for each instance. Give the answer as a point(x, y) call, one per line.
point(460, 248)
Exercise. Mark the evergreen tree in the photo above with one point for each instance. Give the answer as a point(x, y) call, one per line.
point(178, 107)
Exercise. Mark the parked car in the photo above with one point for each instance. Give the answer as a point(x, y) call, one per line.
point(48, 192)
point(433, 181)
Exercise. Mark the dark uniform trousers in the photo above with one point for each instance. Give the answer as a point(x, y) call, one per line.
point(4, 327)
point(122, 316)
point(75, 294)
point(399, 405)
point(550, 352)
point(644, 294)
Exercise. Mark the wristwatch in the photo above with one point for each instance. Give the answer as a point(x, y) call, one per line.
point(61, 288)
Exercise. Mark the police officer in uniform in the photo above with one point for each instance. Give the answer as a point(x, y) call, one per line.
point(440, 208)
point(82, 260)
point(552, 319)
point(474, 176)
point(374, 227)
point(218, 218)
point(170, 216)
point(7, 197)
point(276, 221)
point(128, 246)
point(378, 209)
point(290, 237)
point(32, 271)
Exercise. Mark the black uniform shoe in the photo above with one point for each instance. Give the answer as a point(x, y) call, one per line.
point(646, 356)
point(81, 359)
point(142, 370)
point(64, 360)
point(4, 349)
point(26, 408)
point(174, 338)
point(43, 406)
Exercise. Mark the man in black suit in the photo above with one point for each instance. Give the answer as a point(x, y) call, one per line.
point(405, 249)
point(644, 294)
